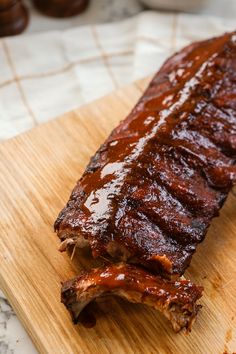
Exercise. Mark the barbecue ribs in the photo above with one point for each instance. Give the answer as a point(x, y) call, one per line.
point(150, 192)
point(175, 299)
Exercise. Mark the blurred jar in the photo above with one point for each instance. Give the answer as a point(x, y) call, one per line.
point(175, 5)
point(61, 8)
point(13, 17)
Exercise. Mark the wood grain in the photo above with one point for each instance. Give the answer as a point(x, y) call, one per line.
point(37, 172)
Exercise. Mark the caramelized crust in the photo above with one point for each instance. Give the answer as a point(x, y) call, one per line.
point(151, 190)
point(176, 300)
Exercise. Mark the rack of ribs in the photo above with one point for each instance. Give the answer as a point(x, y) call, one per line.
point(150, 192)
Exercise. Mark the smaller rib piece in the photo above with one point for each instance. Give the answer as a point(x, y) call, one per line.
point(175, 299)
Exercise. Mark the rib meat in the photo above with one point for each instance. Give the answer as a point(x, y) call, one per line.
point(175, 299)
point(150, 192)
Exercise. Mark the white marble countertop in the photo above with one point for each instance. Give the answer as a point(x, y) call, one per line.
point(13, 338)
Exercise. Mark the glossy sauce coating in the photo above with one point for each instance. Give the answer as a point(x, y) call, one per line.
point(162, 175)
point(132, 278)
point(176, 299)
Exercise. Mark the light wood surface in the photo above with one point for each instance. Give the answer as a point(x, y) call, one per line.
point(37, 172)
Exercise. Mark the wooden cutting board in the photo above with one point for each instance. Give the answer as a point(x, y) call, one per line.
point(37, 172)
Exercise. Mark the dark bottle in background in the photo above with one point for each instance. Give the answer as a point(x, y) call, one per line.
point(61, 8)
point(13, 17)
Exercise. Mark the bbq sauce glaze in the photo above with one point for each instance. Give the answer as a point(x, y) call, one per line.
point(132, 283)
point(165, 171)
